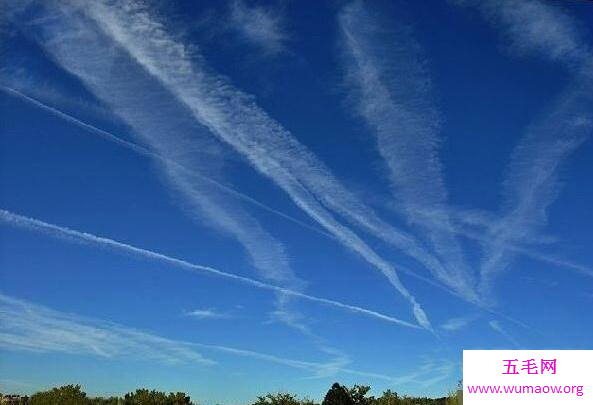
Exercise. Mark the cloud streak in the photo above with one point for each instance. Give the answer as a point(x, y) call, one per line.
point(140, 150)
point(391, 92)
point(225, 188)
point(207, 313)
point(535, 27)
point(480, 226)
point(169, 129)
point(67, 234)
point(237, 121)
point(497, 327)
point(531, 184)
point(27, 326)
point(30, 327)
point(470, 224)
point(260, 26)
point(455, 324)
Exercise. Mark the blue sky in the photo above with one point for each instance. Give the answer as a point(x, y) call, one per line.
point(232, 198)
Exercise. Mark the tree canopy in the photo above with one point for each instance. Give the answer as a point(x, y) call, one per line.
point(336, 395)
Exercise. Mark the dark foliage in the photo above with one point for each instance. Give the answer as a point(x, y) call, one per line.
point(337, 395)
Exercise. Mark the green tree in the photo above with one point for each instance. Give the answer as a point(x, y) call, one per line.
point(65, 395)
point(278, 399)
point(456, 397)
point(153, 397)
point(388, 398)
point(338, 395)
point(105, 401)
point(358, 395)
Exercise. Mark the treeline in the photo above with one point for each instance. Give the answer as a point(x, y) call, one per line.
point(337, 395)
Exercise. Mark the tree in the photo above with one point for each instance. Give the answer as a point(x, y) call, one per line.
point(358, 395)
point(146, 397)
point(337, 395)
point(105, 401)
point(388, 398)
point(278, 399)
point(65, 395)
point(456, 397)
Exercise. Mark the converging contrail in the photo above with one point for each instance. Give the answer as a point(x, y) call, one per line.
point(56, 231)
point(150, 154)
point(140, 150)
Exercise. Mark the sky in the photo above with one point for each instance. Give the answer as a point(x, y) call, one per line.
point(233, 198)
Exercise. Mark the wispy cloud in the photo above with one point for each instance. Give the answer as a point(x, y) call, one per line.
point(225, 188)
point(391, 89)
point(141, 150)
point(455, 324)
point(531, 184)
point(207, 313)
point(68, 234)
point(480, 226)
point(536, 27)
point(261, 26)
point(236, 120)
point(430, 372)
point(497, 327)
point(287, 315)
point(168, 128)
point(30, 327)
point(23, 80)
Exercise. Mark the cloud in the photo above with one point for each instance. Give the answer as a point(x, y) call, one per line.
point(536, 27)
point(30, 327)
point(531, 183)
point(237, 121)
point(167, 127)
point(142, 151)
point(225, 188)
point(480, 226)
point(68, 234)
point(24, 80)
point(497, 327)
point(287, 315)
point(430, 372)
point(26, 326)
point(207, 313)
point(261, 26)
point(455, 324)
point(389, 83)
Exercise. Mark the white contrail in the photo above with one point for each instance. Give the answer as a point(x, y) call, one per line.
point(497, 327)
point(531, 183)
point(392, 94)
point(146, 152)
point(235, 119)
point(167, 131)
point(223, 187)
point(150, 154)
point(466, 222)
point(32, 224)
point(30, 327)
